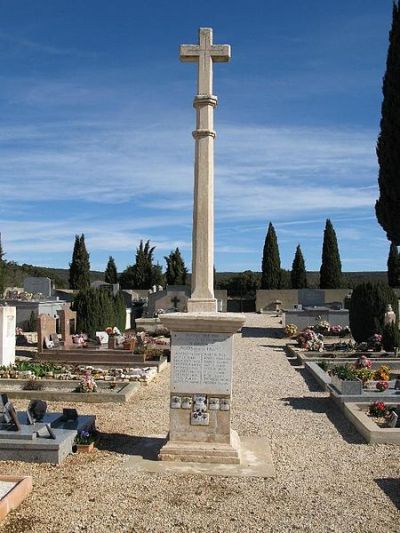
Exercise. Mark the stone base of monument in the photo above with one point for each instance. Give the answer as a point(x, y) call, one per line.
point(254, 455)
point(203, 452)
point(201, 388)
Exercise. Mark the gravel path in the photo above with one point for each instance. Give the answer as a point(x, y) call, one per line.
point(327, 478)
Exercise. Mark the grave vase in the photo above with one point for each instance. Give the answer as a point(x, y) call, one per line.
point(85, 448)
point(112, 343)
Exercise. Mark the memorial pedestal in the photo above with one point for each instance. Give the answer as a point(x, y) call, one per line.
point(201, 388)
point(7, 335)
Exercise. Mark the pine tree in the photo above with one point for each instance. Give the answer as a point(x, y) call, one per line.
point(271, 263)
point(111, 274)
point(2, 270)
point(298, 275)
point(387, 207)
point(331, 267)
point(79, 268)
point(176, 272)
point(393, 265)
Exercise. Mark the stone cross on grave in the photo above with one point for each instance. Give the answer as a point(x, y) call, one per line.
point(205, 54)
point(175, 300)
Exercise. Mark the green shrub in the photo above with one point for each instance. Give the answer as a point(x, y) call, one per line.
point(368, 307)
point(390, 337)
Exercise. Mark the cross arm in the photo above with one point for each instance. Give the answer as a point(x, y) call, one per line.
point(189, 53)
point(220, 53)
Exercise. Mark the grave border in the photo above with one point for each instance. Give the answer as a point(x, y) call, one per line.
point(372, 433)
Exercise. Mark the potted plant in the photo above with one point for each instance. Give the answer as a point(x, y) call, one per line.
point(345, 379)
point(84, 441)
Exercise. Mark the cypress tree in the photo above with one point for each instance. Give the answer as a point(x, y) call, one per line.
point(368, 307)
point(119, 312)
point(143, 274)
point(176, 272)
point(143, 268)
point(97, 309)
point(298, 275)
point(271, 263)
point(393, 265)
point(2, 270)
point(111, 274)
point(79, 268)
point(331, 267)
point(387, 207)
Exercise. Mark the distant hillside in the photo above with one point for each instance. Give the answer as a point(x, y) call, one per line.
point(15, 275)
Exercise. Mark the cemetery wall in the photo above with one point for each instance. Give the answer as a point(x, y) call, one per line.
point(25, 308)
point(289, 297)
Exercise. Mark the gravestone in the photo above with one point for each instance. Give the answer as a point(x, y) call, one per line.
point(311, 297)
point(46, 326)
point(202, 339)
point(7, 334)
point(67, 324)
point(38, 285)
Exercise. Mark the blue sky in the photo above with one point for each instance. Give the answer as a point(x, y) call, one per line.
point(96, 121)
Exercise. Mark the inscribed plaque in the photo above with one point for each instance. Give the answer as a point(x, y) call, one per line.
point(201, 362)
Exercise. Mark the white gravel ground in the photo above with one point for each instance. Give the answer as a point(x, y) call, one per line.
point(327, 478)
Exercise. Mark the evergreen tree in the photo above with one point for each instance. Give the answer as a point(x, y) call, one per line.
point(79, 268)
point(387, 207)
point(143, 274)
point(157, 276)
point(393, 265)
point(2, 270)
point(111, 274)
point(97, 309)
point(298, 275)
point(143, 268)
point(271, 263)
point(331, 267)
point(176, 272)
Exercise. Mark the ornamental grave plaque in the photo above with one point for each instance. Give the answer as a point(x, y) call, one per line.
point(201, 363)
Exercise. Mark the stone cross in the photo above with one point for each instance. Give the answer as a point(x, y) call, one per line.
point(205, 53)
point(175, 300)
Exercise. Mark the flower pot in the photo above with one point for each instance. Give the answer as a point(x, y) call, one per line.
point(85, 448)
point(347, 387)
point(129, 345)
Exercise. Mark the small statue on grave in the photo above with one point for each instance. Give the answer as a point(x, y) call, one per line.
point(390, 316)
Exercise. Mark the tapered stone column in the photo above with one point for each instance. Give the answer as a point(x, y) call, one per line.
point(205, 53)
point(202, 340)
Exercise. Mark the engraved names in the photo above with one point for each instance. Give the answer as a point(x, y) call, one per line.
point(201, 362)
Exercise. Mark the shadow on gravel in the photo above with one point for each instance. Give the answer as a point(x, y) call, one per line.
point(335, 416)
point(391, 487)
point(311, 383)
point(146, 447)
point(308, 403)
point(275, 333)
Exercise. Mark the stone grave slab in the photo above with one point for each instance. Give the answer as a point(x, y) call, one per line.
point(35, 444)
point(13, 490)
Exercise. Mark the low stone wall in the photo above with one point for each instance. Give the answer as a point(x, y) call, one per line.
point(308, 317)
point(290, 297)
